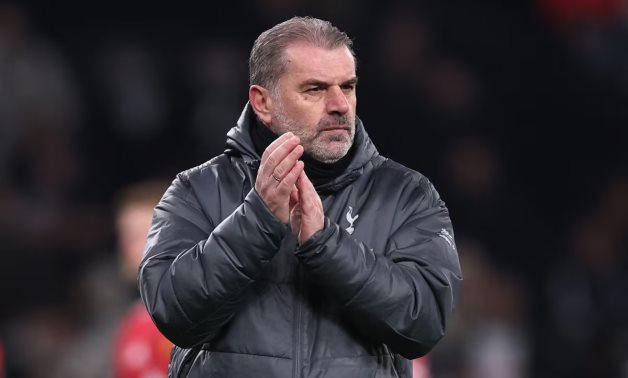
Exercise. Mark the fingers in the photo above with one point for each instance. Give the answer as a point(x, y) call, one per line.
point(287, 183)
point(310, 209)
point(309, 201)
point(307, 192)
point(276, 143)
point(279, 170)
point(295, 221)
point(286, 146)
point(294, 197)
point(295, 211)
point(288, 162)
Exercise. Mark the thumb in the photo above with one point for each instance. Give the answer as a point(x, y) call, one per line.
point(294, 197)
point(295, 220)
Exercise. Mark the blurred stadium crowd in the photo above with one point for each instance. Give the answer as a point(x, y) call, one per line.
point(518, 112)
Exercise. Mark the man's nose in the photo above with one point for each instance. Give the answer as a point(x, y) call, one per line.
point(337, 101)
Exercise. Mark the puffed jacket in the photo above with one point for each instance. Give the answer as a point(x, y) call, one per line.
point(227, 283)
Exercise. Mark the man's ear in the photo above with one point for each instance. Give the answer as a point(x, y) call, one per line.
point(261, 102)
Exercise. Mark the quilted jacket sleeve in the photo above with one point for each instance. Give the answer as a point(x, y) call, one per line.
point(404, 295)
point(193, 272)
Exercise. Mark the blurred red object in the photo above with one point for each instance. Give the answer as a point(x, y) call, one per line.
point(565, 12)
point(420, 368)
point(140, 349)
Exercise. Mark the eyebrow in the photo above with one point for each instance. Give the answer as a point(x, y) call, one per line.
point(323, 84)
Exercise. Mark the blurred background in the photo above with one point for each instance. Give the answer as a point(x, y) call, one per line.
point(517, 111)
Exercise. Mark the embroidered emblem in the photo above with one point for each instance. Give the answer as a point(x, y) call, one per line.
point(447, 236)
point(351, 219)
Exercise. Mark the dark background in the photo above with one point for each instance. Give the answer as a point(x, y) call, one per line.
point(516, 111)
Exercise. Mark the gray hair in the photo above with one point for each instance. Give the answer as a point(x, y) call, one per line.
point(267, 62)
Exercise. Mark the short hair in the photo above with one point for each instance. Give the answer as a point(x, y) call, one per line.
point(267, 61)
point(147, 192)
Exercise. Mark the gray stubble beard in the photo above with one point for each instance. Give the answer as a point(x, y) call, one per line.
point(309, 137)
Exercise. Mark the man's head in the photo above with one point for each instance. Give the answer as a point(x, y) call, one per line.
point(303, 80)
point(133, 214)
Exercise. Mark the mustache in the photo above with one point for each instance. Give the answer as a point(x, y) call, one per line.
point(333, 120)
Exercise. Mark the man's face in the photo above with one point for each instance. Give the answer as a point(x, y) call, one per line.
point(132, 225)
point(315, 99)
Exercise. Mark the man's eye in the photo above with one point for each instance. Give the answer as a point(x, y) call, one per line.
point(314, 89)
point(348, 87)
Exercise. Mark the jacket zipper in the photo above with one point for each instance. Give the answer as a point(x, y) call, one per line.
point(297, 321)
point(393, 360)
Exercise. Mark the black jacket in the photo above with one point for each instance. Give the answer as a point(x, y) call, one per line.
point(224, 280)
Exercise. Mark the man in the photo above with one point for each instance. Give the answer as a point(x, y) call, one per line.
point(300, 251)
point(138, 349)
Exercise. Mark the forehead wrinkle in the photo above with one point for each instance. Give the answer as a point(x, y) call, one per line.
point(316, 66)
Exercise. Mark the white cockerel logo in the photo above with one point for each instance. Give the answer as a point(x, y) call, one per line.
point(351, 219)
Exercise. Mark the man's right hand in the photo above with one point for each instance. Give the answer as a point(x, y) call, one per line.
point(279, 170)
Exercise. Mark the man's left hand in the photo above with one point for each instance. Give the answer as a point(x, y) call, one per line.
point(306, 210)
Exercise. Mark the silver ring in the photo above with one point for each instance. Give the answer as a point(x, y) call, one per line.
point(275, 177)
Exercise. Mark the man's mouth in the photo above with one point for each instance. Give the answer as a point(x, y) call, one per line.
point(336, 127)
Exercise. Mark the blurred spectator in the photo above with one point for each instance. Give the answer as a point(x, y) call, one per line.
point(133, 111)
point(134, 212)
point(35, 339)
point(421, 367)
point(489, 337)
point(139, 350)
point(213, 72)
point(131, 75)
point(412, 60)
point(486, 207)
point(37, 88)
point(407, 44)
point(585, 327)
point(565, 12)
point(434, 95)
point(49, 222)
point(596, 32)
point(90, 335)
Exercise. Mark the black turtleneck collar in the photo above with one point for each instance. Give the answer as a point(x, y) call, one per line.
point(261, 135)
point(318, 172)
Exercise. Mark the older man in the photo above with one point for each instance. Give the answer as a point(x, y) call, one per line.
point(300, 251)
